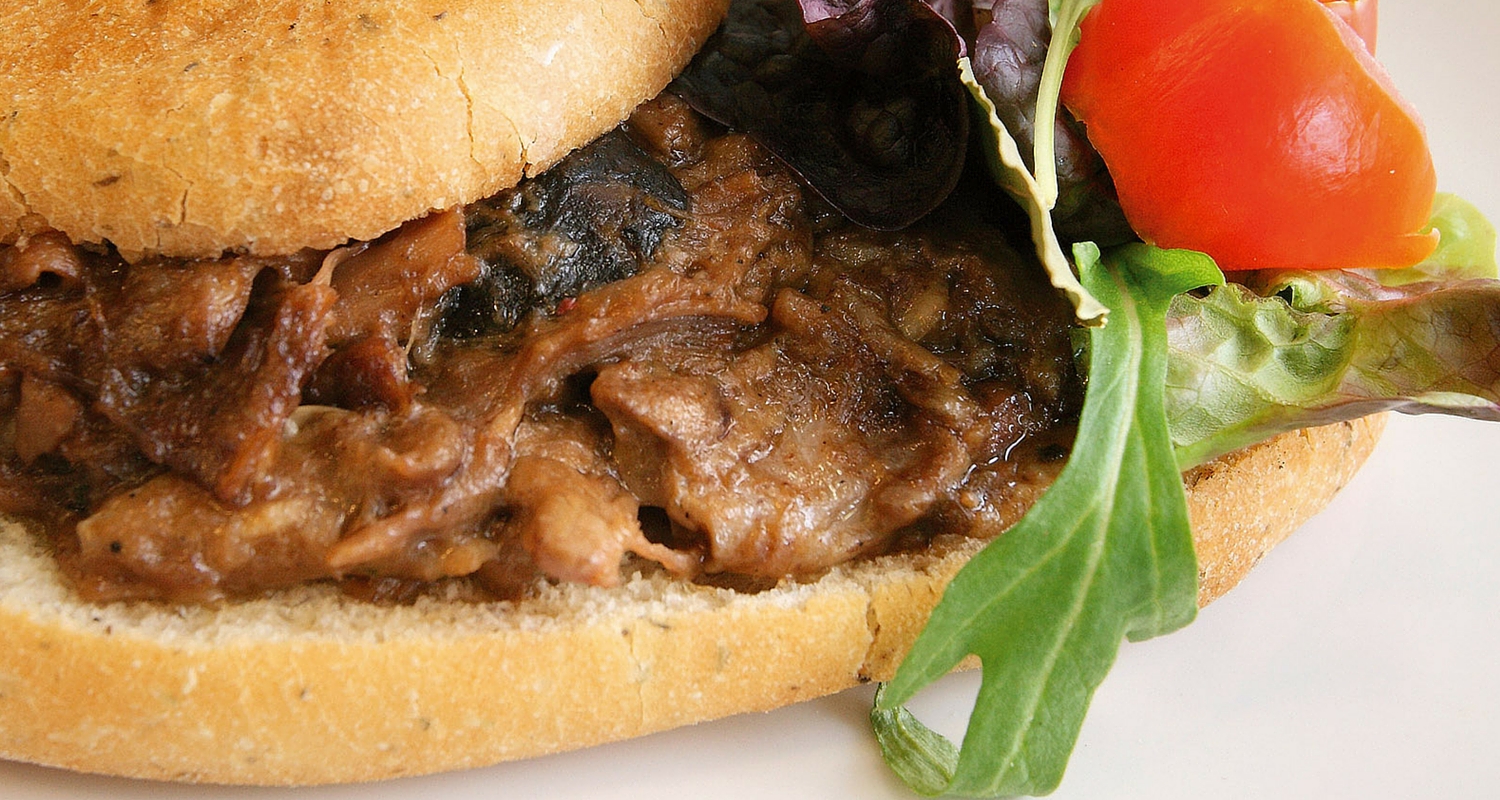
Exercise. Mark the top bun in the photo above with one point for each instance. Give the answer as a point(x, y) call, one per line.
point(194, 127)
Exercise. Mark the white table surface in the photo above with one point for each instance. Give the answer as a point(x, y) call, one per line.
point(1361, 659)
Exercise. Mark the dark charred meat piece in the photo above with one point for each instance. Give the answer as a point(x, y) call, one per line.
point(595, 217)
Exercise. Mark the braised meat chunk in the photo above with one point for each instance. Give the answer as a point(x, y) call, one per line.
point(662, 354)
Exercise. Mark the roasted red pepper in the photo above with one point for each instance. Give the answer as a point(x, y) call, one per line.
point(1361, 16)
point(1261, 132)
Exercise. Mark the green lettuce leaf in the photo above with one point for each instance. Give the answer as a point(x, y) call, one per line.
point(1105, 554)
point(1008, 169)
point(1295, 349)
point(1065, 15)
point(1466, 247)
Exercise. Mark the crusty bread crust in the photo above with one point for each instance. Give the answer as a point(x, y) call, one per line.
point(198, 126)
point(312, 687)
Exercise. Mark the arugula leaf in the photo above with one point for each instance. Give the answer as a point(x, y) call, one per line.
point(1105, 554)
point(1009, 171)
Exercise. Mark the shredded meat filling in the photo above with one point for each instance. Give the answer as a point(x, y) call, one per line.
point(664, 351)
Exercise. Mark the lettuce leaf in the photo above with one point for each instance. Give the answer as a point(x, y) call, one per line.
point(1288, 349)
point(1106, 554)
point(1312, 348)
point(1009, 56)
point(859, 97)
point(1466, 247)
point(1066, 14)
point(1006, 166)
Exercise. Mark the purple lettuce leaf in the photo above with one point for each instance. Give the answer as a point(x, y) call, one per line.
point(859, 97)
point(960, 14)
point(1010, 51)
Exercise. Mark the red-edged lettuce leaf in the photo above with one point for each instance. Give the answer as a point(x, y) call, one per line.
point(1291, 349)
point(863, 100)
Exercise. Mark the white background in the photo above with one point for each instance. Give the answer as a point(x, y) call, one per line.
point(1361, 659)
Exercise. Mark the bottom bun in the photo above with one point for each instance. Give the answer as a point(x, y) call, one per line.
point(310, 686)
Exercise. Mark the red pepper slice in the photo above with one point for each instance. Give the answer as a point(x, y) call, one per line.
point(1360, 14)
point(1261, 132)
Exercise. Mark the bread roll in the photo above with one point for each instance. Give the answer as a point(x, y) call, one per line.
point(195, 127)
point(192, 128)
point(309, 686)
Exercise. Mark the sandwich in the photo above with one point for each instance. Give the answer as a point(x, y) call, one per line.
point(397, 391)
